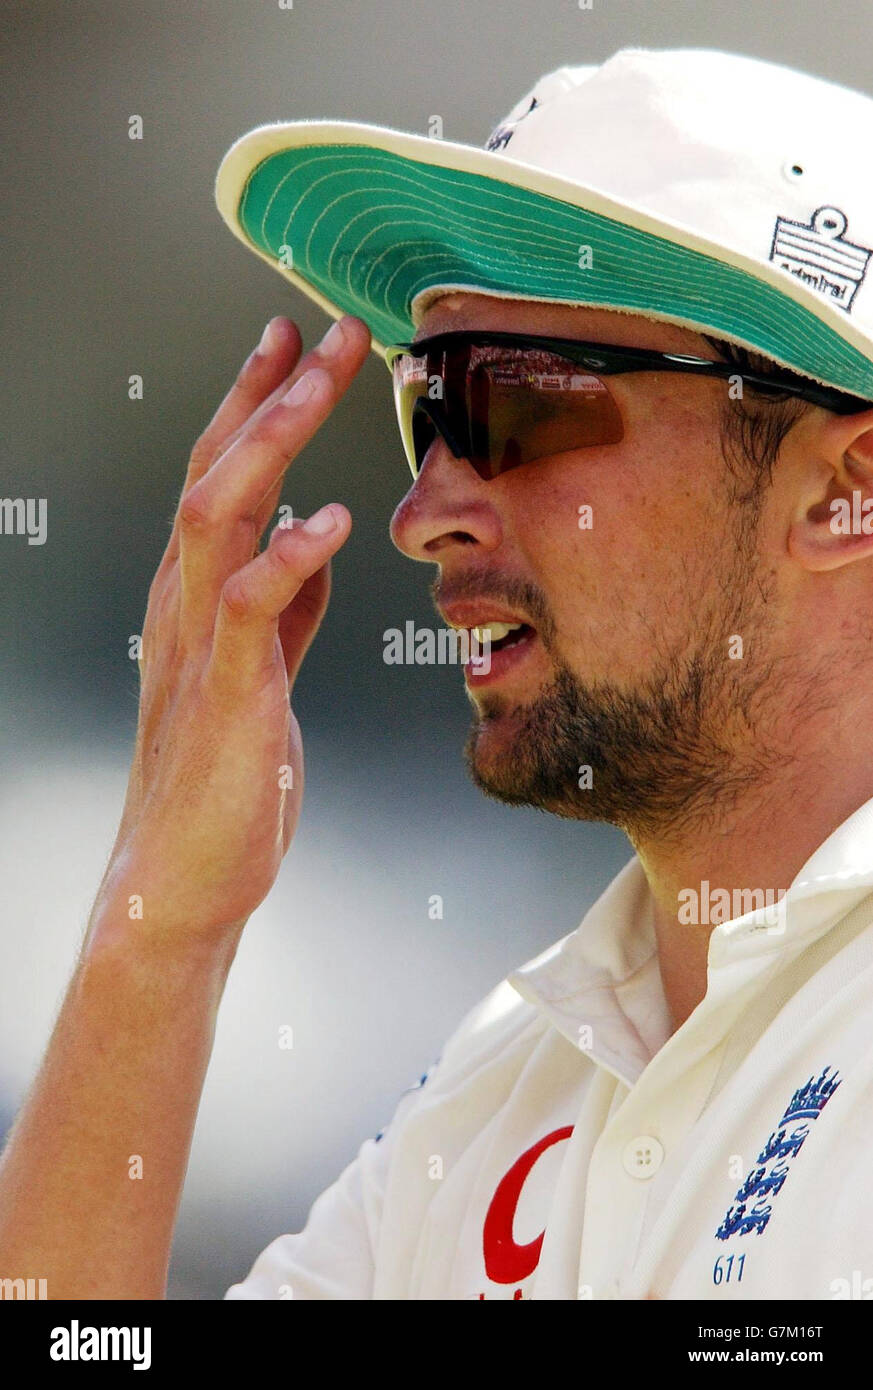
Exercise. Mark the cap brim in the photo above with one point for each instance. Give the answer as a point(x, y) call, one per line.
point(366, 220)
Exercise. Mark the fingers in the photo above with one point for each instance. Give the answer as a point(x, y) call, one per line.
point(344, 361)
point(222, 517)
point(243, 479)
point(260, 381)
point(299, 622)
point(217, 526)
point(262, 373)
point(252, 600)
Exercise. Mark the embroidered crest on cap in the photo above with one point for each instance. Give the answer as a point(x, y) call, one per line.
point(502, 134)
point(820, 255)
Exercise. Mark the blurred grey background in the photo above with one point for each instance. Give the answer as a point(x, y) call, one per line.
point(116, 262)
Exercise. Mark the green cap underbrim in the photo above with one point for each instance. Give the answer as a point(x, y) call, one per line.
point(364, 230)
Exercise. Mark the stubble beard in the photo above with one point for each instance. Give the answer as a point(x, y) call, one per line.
point(679, 746)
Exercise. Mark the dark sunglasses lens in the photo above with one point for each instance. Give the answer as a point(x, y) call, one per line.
point(528, 405)
point(516, 405)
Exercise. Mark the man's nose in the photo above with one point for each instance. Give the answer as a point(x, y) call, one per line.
point(448, 505)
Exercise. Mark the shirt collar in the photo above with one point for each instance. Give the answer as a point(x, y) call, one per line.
point(583, 978)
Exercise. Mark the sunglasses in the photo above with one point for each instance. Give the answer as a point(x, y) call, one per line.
point(501, 400)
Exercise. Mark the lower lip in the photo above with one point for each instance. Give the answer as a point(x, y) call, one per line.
point(503, 661)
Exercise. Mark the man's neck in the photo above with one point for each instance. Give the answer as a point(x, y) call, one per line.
point(761, 845)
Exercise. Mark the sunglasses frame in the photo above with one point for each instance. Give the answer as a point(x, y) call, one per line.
point(605, 359)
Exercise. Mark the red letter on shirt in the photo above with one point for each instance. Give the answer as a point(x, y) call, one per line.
point(506, 1262)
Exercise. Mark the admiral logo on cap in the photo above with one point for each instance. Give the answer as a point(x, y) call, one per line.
point(820, 255)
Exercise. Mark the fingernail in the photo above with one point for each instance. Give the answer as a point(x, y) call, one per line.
point(321, 522)
point(301, 390)
point(269, 338)
point(332, 343)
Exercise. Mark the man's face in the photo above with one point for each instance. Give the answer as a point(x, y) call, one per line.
point(628, 670)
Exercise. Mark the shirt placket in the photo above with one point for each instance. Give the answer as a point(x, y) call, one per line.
point(647, 1127)
point(644, 1142)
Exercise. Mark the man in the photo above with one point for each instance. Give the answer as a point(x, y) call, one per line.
point(634, 476)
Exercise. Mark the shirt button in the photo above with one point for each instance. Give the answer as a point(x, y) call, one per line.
point(643, 1156)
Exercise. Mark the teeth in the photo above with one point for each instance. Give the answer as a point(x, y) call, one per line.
point(494, 632)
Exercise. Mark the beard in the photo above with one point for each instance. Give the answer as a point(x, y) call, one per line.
point(670, 752)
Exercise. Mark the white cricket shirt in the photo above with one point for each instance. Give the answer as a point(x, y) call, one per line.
point(566, 1146)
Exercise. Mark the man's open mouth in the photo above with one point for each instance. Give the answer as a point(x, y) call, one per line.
point(501, 635)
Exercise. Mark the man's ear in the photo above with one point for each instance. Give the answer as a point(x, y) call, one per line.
point(833, 522)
